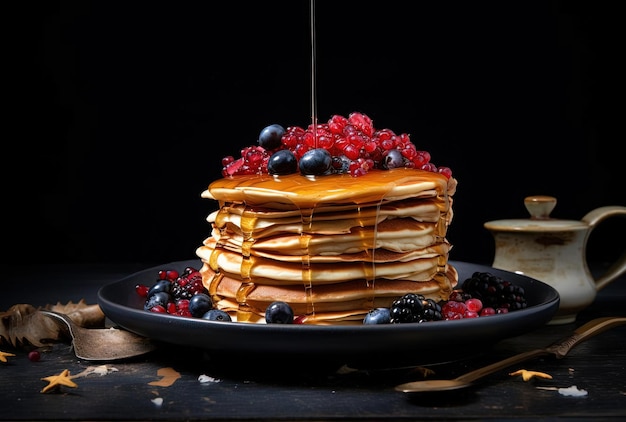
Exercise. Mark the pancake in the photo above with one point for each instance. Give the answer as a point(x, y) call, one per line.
point(332, 247)
point(380, 263)
point(398, 235)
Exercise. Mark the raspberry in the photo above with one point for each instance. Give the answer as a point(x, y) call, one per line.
point(453, 309)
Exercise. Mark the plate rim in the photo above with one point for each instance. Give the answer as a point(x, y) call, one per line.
point(342, 339)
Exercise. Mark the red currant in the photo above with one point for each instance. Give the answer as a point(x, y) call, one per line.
point(34, 356)
point(474, 305)
point(142, 290)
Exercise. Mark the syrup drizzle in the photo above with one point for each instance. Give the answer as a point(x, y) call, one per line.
point(313, 71)
point(307, 214)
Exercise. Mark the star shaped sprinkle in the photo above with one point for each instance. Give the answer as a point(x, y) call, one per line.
point(527, 375)
point(58, 380)
point(4, 355)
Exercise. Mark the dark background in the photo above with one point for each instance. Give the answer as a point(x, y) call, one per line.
point(122, 111)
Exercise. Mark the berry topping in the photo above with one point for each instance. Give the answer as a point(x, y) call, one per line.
point(393, 159)
point(282, 162)
point(270, 137)
point(355, 146)
point(315, 162)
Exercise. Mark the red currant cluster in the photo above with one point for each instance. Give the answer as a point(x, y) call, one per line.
point(354, 144)
point(459, 307)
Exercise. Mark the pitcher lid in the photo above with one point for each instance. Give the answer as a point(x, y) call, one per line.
point(539, 207)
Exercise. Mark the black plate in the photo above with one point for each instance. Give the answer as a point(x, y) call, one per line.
point(424, 343)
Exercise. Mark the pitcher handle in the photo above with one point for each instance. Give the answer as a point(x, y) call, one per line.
point(592, 219)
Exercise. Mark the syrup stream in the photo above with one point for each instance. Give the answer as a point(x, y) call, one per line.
point(307, 219)
point(313, 71)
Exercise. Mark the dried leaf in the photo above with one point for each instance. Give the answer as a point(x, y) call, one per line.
point(23, 326)
point(84, 315)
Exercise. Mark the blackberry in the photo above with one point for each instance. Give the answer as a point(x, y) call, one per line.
point(495, 292)
point(414, 308)
point(187, 284)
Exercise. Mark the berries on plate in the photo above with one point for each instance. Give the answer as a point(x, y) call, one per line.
point(279, 313)
point(217, 315)
point(414, 308)
point(495, 292)
point(200, 304)
point(377, 316)
point(483, 294)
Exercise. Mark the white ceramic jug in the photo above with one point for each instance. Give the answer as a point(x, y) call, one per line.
point(554, 251)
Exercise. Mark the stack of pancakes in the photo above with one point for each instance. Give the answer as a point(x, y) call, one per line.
point(333, 247)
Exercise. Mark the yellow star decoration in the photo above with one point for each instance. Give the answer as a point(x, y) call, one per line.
point(3, 356)
point(527, 375)
point(57, 380)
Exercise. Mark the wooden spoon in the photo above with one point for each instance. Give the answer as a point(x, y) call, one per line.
point(559, 349)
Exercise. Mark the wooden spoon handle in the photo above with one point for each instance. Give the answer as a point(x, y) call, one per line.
point(559, 349)
point(584, 332)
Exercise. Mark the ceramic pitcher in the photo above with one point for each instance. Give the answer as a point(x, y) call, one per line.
point(554, 251)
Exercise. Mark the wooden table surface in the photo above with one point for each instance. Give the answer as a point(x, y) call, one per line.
point(125, 390)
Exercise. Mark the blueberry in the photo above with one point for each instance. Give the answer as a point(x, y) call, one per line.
point(282, 162)
point(279, 313)
point(217, 315)
point(160, 286)
point(378, 316)
point(341, 164)
point(316, 162)
point(392, 159)
point(199, 304)
point(159, 298)
point(270, 136)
